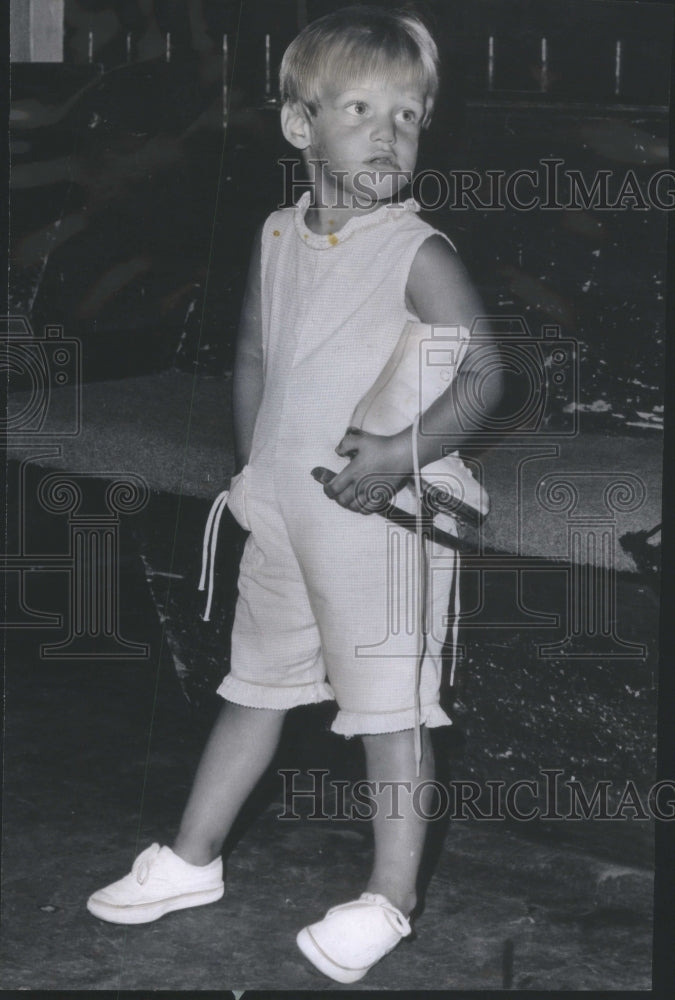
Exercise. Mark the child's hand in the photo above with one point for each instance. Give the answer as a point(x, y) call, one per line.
point(379, 466)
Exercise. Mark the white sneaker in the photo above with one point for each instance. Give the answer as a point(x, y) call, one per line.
point(352, 937)
point(159, 882)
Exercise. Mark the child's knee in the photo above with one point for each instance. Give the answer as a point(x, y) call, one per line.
point(401, 737)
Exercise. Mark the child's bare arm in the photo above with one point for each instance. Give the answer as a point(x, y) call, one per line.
point(439, 292)
point(248, 365)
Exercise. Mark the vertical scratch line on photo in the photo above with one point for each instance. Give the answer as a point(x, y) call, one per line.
point(162, 640)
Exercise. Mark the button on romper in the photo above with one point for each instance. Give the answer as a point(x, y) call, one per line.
point(327, 597)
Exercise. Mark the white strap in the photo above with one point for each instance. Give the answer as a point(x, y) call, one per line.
point(209, 548)
point(421, 595)
point(456, 554)
point(456, 613)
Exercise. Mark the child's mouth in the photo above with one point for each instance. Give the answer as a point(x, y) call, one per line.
point(382, 161)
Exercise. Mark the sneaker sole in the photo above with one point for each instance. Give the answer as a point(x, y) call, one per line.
point(145, 913)
point(311, 950)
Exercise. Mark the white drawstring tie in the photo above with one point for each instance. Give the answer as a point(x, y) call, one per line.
point(209, 548)
point(455, 613)
point(422, 593)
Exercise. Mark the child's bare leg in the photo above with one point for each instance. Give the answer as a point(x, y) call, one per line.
point(239, 749)
point(390, 757)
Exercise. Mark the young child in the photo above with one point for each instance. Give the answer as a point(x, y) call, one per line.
point(332, 283)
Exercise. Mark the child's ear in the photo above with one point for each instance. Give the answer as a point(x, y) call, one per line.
point(295, 125)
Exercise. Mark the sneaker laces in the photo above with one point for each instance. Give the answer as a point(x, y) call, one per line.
point(209, 548)
point(143, 864)
point(376, 899)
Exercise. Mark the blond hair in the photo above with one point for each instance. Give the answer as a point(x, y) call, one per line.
point(359, 43)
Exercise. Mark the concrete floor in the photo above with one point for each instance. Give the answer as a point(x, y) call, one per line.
point(99, 756)
point(98, 763)
point(174, 430)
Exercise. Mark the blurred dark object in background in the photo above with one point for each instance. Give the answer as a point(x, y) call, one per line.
point(645, 549)
point(122, 203)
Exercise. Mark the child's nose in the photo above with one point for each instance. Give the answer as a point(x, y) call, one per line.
point(384, 129)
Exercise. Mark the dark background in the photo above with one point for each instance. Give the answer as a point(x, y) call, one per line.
point(133, 207)
point(132, 214)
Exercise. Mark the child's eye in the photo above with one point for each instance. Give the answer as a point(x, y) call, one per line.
point(358, 108)
point(408, 115)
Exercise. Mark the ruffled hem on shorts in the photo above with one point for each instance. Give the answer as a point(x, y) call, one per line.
point(364, 723)
point(264, 696)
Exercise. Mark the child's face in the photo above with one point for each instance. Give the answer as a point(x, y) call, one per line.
point(368, 135)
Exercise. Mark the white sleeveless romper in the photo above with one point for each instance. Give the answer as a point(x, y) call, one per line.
point(327, 597)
